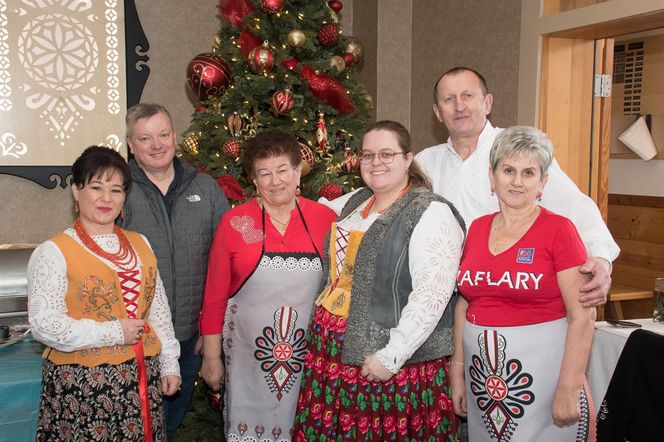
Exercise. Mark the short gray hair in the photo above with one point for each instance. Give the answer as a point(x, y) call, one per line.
point(143, 110)
point(522, 140)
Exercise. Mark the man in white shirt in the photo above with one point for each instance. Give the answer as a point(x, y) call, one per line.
point(459, 171)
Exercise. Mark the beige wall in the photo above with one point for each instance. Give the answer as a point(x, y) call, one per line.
point(481, 34)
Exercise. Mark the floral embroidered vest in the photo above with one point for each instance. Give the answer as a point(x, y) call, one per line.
point(94, 293)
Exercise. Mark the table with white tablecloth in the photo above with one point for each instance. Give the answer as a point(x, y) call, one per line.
point(608, 342)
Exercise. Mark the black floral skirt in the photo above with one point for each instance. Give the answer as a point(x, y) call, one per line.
point(97, 404)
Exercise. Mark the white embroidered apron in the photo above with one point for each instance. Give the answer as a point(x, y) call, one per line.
point(511, 379)
point(264, 346)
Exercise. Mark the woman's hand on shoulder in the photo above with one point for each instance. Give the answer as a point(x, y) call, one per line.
point(374, 371)
point(170, 384)
point(565, 408)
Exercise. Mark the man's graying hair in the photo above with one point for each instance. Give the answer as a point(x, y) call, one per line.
point(143, 110)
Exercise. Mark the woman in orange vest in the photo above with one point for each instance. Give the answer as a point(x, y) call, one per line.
point(96, 300)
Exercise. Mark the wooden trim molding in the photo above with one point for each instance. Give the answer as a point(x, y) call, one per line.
point(656, 202)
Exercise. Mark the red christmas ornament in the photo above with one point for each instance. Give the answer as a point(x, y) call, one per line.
point(248, 41)
point(261, 59)
point(351, 162)
point(272, 6)
point(232, 148)
point(208, 75)
point(233, 11)
point(331, 191)
point(326, 88)
point(231, 187)
point(335, 5)
point(282, 102)
point(234, 124)
point(307, 155)
point(348, 58)
point(328, 35)
point(290, 63)
point(200, 107)
point(321, 133)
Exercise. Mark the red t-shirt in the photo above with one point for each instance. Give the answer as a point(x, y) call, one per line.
point(518, 286)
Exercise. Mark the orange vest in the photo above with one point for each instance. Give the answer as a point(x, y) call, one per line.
point(94, 293)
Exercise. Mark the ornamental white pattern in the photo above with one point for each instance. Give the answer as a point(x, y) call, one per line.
point(5, 75)
point(290, 263)
point(69, 53)
point(9, 146)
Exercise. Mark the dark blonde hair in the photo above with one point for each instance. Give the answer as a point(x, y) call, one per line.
point(416, 177)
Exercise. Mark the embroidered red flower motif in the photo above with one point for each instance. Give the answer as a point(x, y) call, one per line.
point(444, 403)
point(363, 424)
point(430, 372)
point(402, 425)
point(333, 370)
point(327, 418)
point(317, 410)
point(416, 421)
point(346, 421)
point(350, 375)
point(412, 374)
point(389, 424)
point(434, 418)
point(401, 378)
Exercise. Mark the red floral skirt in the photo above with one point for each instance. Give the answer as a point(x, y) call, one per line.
point(337, 404)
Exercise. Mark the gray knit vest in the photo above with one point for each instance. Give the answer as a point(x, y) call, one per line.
point(382, 283)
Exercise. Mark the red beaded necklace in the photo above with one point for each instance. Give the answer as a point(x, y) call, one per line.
point(124, 258)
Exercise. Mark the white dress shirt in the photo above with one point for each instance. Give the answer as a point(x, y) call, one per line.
point(465, 183)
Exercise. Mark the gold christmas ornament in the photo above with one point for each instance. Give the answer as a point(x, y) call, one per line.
point(296, 38)
point(216, 43)
point(337, 63)
point(305, 169)
point(354, 46)
point(190, 144)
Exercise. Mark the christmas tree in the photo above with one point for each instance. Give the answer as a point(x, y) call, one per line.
point(279, 64)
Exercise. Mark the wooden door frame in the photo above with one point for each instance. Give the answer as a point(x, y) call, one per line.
point(563, 96)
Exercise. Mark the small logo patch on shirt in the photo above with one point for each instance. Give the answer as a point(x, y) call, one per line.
point(193, 198)
point(525, 255)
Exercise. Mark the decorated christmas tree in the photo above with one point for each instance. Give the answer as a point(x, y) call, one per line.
point(279, 64)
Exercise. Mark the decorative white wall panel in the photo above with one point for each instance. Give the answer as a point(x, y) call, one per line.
point(62, 88)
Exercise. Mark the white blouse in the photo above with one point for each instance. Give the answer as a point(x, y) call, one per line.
point(47, 311)
point(433, 255)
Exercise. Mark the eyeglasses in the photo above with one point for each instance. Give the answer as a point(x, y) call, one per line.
point(385, 156)
point(282, 173)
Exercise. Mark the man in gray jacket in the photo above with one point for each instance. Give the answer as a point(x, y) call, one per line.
point(178, 209)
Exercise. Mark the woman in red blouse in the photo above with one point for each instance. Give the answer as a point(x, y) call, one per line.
point(263, 275)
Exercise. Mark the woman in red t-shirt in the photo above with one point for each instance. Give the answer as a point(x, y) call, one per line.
point(522, 338)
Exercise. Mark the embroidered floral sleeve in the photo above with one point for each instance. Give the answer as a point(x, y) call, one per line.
point(47, 312)
point(160, 320)
point(434, 254)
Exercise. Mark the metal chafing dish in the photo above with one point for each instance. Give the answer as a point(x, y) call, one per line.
point(14, 286)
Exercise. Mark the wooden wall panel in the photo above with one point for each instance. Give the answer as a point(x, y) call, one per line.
point(566, 104)
point(637, 225)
